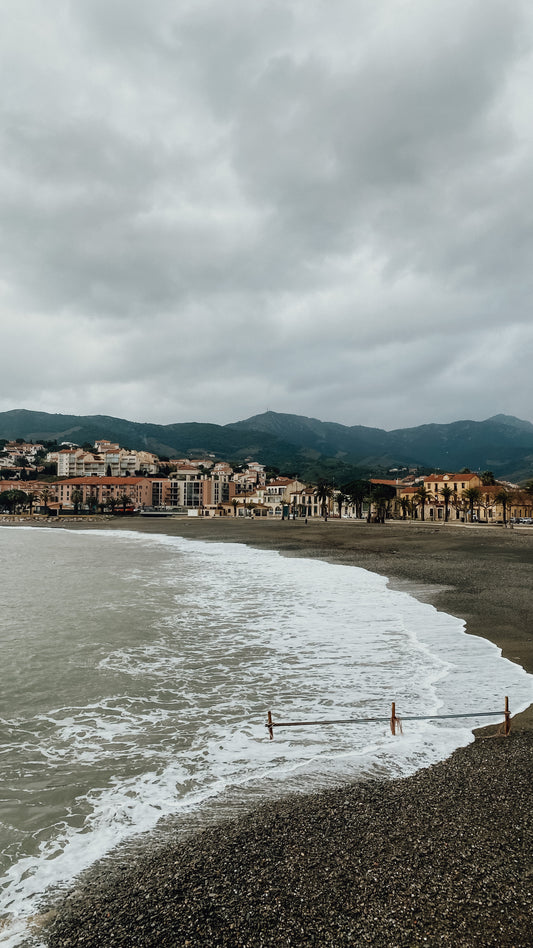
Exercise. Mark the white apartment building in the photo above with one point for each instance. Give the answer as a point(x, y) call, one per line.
point(111, 462)
point(186, 487)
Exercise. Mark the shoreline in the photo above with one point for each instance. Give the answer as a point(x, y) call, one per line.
point(479, 574)
point(443, 856)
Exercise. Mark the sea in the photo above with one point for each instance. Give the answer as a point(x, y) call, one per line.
point(138, 671)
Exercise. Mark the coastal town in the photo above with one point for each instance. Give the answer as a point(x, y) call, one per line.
point(112, 480)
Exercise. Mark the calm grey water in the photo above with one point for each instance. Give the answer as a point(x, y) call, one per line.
point(137, 672)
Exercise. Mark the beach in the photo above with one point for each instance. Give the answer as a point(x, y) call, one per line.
point(442, 857)
point(478, 573)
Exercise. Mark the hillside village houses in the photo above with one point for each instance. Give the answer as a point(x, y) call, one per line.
point(113, 479)
point(16, 454)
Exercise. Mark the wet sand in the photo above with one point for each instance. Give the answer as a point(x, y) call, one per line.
point(439, 858)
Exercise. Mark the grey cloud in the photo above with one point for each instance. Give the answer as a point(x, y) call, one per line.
point(210, 209)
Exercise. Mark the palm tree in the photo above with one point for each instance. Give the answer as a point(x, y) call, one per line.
point(92, 501)
point(381, 498)
point(422, 495)
point(45, 497)
point(77, 498)
point(446, 493)
point(472, 496)
point(504, 497)
point(405, 507)
point(341, 499)
point(459, 503)
point(323, 495)
point(369, 497)
point(124, 500)
point(487, 478)
point(357, 491)
point(31, 498)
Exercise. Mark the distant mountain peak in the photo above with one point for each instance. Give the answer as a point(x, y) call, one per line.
point(502, 444)
point(511, 421)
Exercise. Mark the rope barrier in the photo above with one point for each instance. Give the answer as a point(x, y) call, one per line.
point(467, 714)
point(394, 721)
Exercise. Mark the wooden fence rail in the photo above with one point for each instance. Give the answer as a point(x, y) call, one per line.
point(394, 721)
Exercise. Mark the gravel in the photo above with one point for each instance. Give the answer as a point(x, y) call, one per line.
point(443, 857)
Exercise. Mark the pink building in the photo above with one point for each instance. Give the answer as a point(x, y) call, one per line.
point(102, 490)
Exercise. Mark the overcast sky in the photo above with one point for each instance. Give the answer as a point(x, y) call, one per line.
point(211, 208)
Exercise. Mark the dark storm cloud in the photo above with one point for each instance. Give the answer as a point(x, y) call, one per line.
point(213, 209)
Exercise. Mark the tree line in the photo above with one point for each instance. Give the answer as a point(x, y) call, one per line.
point(15, 501)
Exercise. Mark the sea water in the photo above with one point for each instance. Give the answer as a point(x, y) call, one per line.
point(137, 672)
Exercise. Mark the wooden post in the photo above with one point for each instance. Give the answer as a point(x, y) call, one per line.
point(270, 728)
point(393, 719)
point(507, 716)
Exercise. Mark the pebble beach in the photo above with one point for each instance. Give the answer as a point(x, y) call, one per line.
point(439, 858)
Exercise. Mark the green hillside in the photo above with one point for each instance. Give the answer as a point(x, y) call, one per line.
point(307, 446)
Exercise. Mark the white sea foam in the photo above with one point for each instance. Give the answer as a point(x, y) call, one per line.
point(152, 680)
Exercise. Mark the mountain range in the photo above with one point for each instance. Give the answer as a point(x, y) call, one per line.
point(311, 448)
